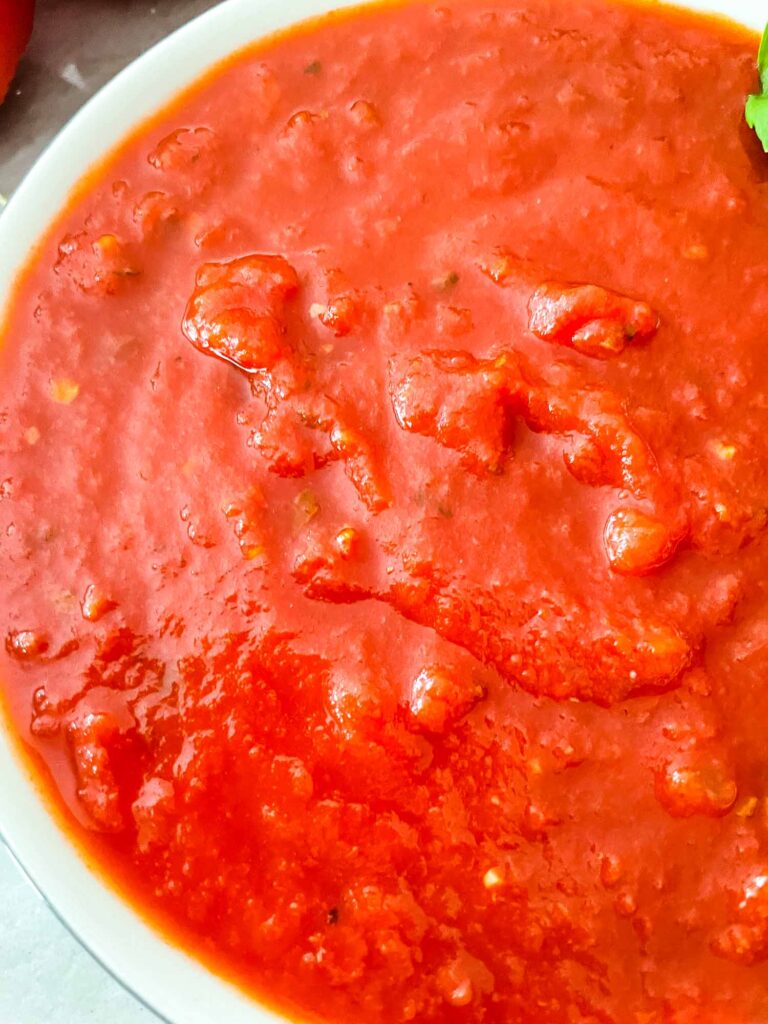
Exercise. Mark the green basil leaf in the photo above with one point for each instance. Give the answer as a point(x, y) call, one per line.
point(756, 109)
point(762, 59)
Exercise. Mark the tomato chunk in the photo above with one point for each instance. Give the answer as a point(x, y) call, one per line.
point(237, 310)
point(595, 321)
point(459, 402)
point(636, 542)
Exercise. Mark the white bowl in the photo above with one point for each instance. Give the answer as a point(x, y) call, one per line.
point(170, 982)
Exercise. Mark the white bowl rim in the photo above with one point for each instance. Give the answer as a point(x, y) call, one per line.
point(168, 981)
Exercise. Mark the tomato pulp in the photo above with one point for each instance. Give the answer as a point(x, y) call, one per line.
point(383, 507)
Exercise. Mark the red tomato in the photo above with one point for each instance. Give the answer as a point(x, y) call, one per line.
point(15, 29)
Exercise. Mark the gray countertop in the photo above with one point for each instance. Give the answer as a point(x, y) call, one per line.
point(45, 975)
point(77, 46)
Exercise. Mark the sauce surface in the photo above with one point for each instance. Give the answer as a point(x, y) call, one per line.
point(383, 502)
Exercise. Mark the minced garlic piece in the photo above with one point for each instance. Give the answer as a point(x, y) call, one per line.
point(695, 251)
point(251, 551)
point(64, 390)
point(747, 807)
point(493, 878)
point(724, 451)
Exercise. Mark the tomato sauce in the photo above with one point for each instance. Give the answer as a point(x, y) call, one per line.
point(383, 508)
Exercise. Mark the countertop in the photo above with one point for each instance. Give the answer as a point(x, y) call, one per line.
point(46, 977)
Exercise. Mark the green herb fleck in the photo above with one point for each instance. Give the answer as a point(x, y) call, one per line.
point(314, 68)
point(445, 511)
point(756, 110)
point(448, 281)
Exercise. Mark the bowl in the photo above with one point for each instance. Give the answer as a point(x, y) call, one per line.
point(171, 983)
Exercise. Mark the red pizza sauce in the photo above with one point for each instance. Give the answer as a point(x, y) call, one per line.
point(384, 438)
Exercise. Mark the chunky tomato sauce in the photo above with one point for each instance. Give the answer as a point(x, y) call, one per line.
point(383, 509)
